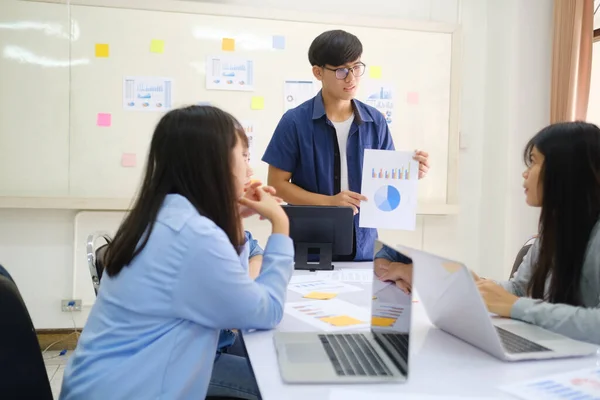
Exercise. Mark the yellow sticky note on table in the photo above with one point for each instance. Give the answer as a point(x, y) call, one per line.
point(342, 320)
point(228, 44)
point(375, 72)
point(258, 103)
point(320, 295)
point(157, 46)
point(102, 50)
point(382, 321)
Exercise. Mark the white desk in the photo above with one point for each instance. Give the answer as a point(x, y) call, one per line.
point(439, 365)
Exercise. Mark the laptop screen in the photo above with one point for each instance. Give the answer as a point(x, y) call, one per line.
point(391, 303)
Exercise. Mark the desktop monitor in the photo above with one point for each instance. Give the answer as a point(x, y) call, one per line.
point(320, 232)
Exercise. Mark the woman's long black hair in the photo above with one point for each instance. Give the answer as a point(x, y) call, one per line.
point(191, 155)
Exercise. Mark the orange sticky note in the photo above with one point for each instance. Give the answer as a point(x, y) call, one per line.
point(342, 320)
point(375, 72)
point(258, 103)
point(320, 295)
point(102, 50)
point(128, 160)
point(382, 321)
point(157, 46)
point(228, 44)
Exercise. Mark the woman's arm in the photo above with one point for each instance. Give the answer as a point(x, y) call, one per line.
point(518, 284)
point(215, 290)
point(578, 323)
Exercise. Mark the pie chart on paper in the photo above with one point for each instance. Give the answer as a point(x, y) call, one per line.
point(387, 198)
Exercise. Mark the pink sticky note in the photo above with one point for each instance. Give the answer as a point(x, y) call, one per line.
point(128, 160)
point(104, 119)
point(412, 98)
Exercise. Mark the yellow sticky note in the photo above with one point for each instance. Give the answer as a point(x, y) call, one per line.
point(157, 46)
point(382, 321)
point(375, 72)
point(102, 50)
point(258, 103)
point(320, 296)
point(228, 44)
point(342, 320)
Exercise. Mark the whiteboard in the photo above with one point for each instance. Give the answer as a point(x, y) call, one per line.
point(67, 153)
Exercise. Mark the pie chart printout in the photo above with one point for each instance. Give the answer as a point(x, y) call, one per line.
point(387, 198)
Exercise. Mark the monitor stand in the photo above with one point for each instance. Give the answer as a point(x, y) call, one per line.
point(325, 256)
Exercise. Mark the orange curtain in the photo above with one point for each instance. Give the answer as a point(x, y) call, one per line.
point(571, 59)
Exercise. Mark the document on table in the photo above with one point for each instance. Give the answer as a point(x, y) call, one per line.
point(331, 315)
point(320, 285)
point(348, 275)
point(347, 394)
point(582, 385)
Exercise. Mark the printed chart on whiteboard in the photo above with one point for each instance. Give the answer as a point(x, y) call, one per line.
point(381, 97)
point(147, 93)
point(389, 182)
point(229, 73)
point(297, 92)
point(249, 129)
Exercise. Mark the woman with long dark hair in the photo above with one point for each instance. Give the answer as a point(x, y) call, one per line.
point(557, 286)
point(177, 269)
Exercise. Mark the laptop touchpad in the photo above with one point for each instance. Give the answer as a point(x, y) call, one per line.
point(304, 353)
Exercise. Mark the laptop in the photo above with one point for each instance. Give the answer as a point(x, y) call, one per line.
point(376, 355)
point(448, 292)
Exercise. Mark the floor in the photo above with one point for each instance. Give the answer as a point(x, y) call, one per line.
point(55, 367)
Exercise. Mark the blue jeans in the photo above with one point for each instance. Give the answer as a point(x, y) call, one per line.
point(232, 375)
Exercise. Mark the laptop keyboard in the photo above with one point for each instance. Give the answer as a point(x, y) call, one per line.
point(515, 344)
point(399, 341)
point(352, 355)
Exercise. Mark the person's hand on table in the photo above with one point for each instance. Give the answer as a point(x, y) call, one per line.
point(496, 298)
point(399, 273)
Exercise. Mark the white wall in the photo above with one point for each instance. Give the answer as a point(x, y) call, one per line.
point(593, 114)
point(505, 89)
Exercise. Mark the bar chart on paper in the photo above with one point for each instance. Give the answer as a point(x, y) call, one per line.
point(582, 385)
point(147, 93)
point(389, 182)
point(330, 315)
point(327, 286)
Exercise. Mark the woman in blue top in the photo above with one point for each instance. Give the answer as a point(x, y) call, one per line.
point(177, 269)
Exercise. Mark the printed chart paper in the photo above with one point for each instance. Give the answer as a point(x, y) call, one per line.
point(347, 275)
point(583, 384)
point(389, 181)
point(229, 73)
point(331, 315)
point(326, 286)
point(382, 98)
point(147, 93)
point(297, 92)
point(249, 129)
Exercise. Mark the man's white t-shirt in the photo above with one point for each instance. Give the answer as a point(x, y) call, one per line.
point(342, 130)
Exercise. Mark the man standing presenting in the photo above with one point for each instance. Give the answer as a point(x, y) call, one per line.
point(320, 144)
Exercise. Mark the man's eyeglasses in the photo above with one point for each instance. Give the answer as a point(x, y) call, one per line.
point(342, 73)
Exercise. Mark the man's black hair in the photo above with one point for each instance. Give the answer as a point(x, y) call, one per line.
point(334, 48)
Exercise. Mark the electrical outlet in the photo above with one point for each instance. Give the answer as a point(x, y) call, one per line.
point(71, 305)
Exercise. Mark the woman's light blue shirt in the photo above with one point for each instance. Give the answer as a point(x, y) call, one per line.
point(153, 331)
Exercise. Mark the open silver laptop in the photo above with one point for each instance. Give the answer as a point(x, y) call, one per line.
point(378, 355)
point(453, 303)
